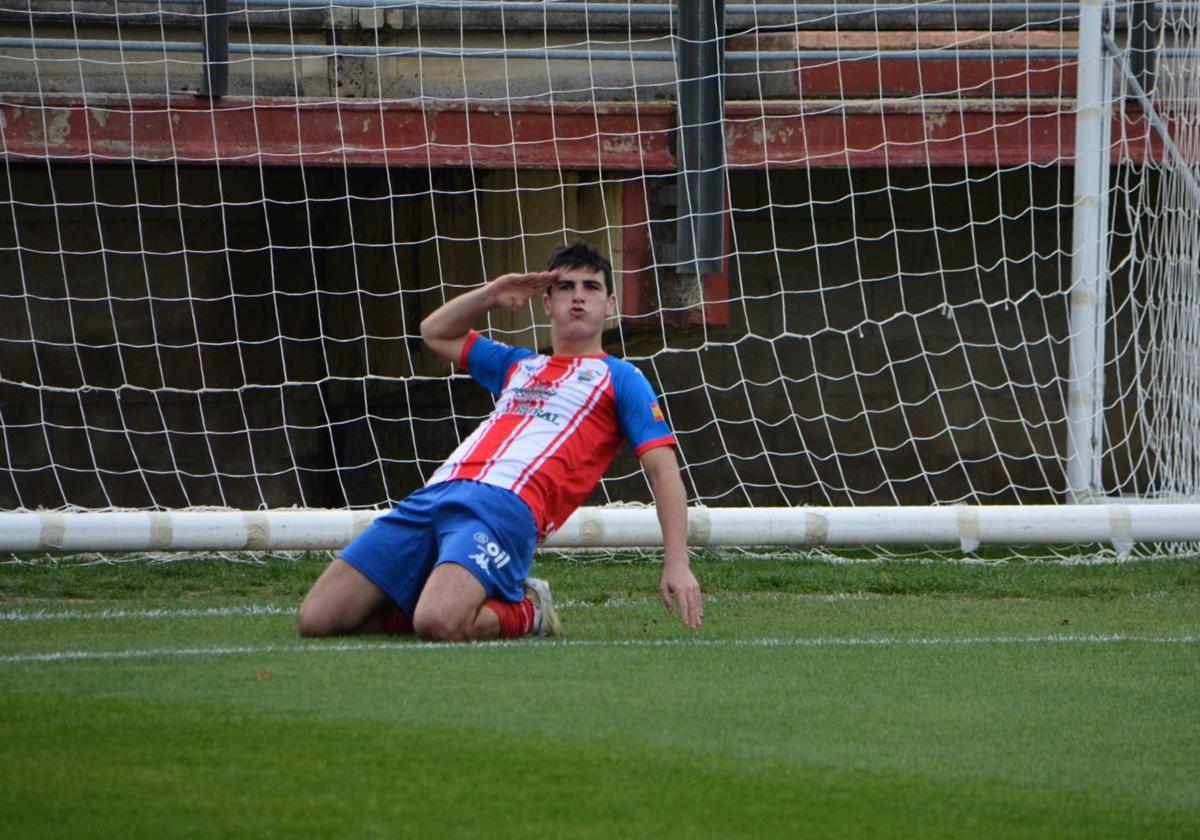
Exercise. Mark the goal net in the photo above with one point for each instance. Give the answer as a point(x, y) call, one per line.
point(222, 225)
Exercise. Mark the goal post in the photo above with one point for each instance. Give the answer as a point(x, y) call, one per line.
point(1089, 270)
point(1116, 526)
point(938, 286)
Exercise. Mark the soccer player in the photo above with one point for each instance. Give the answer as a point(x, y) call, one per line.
point(451, 561)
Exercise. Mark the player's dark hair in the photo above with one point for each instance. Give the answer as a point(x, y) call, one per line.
point(582, 255)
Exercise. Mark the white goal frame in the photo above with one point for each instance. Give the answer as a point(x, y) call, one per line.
point(967, 528)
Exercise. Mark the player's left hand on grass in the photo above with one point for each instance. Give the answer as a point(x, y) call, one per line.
point(679, 584)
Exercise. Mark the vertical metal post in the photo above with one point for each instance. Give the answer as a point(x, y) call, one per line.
point(1143, 26)
point(1089, 271)
point(215, 81)
point(700, 64)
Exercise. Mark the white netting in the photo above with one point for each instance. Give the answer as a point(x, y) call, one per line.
point(1156, 236)
point(214, 303)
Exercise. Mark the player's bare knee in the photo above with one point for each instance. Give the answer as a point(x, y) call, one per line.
point(311, 621)
point(438, 627)
point(305, 625)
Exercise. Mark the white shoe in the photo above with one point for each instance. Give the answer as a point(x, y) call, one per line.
point(538, 591)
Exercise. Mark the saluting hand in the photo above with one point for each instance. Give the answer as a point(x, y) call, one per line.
point(513, 291)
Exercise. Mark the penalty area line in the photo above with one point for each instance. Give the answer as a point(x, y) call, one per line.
point(410, 647)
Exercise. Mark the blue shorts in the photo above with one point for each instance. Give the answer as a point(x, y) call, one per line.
point(487, 530)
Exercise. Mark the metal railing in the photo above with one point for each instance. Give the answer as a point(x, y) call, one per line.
point(216, 46)
point(569, 53)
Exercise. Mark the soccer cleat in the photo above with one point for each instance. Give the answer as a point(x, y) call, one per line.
point(538, 592)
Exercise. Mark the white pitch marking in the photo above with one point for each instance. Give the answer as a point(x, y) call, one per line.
point(408, 647)
point(233, 612)
point(103, 615)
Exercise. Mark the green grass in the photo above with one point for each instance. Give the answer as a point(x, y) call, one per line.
point(893, 699)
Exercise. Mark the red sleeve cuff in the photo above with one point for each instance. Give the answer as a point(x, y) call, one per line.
point(472, 336)
point(669, 440)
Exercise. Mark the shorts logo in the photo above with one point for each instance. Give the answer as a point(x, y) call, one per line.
point(487, 550)
point(656, 412)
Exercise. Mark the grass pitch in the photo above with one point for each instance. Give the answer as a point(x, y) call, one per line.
point(894, 699)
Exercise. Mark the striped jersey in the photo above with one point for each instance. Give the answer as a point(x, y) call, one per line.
point(558, 423)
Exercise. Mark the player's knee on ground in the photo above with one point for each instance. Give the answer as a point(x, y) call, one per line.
point(313, 620)
point(435, 626)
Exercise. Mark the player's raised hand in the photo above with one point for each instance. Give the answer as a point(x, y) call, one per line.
point(679, 584)
point(513, 291)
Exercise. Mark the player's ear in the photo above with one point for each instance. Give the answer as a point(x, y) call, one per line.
point(611, 309)
point(546, 300)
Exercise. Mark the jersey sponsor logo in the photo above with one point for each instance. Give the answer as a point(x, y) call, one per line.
point(533, 391)
point(587, 375)
point(530, 410)
point(529, 401)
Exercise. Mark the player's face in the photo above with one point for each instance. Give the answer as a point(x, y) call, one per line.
point(579, 302)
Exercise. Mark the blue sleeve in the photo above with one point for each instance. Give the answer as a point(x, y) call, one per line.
point(641, 418)
point(489, 362)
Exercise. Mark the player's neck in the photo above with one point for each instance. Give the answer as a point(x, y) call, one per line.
point(563, 345)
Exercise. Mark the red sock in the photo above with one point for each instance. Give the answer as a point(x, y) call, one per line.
point(396, 623)
point(515, 619)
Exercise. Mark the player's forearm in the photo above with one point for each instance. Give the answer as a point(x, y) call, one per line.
point(458, 316)
point(670, 502)
point(678, 583)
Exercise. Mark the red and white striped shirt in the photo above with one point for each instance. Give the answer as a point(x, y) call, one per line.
point(558, 423)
